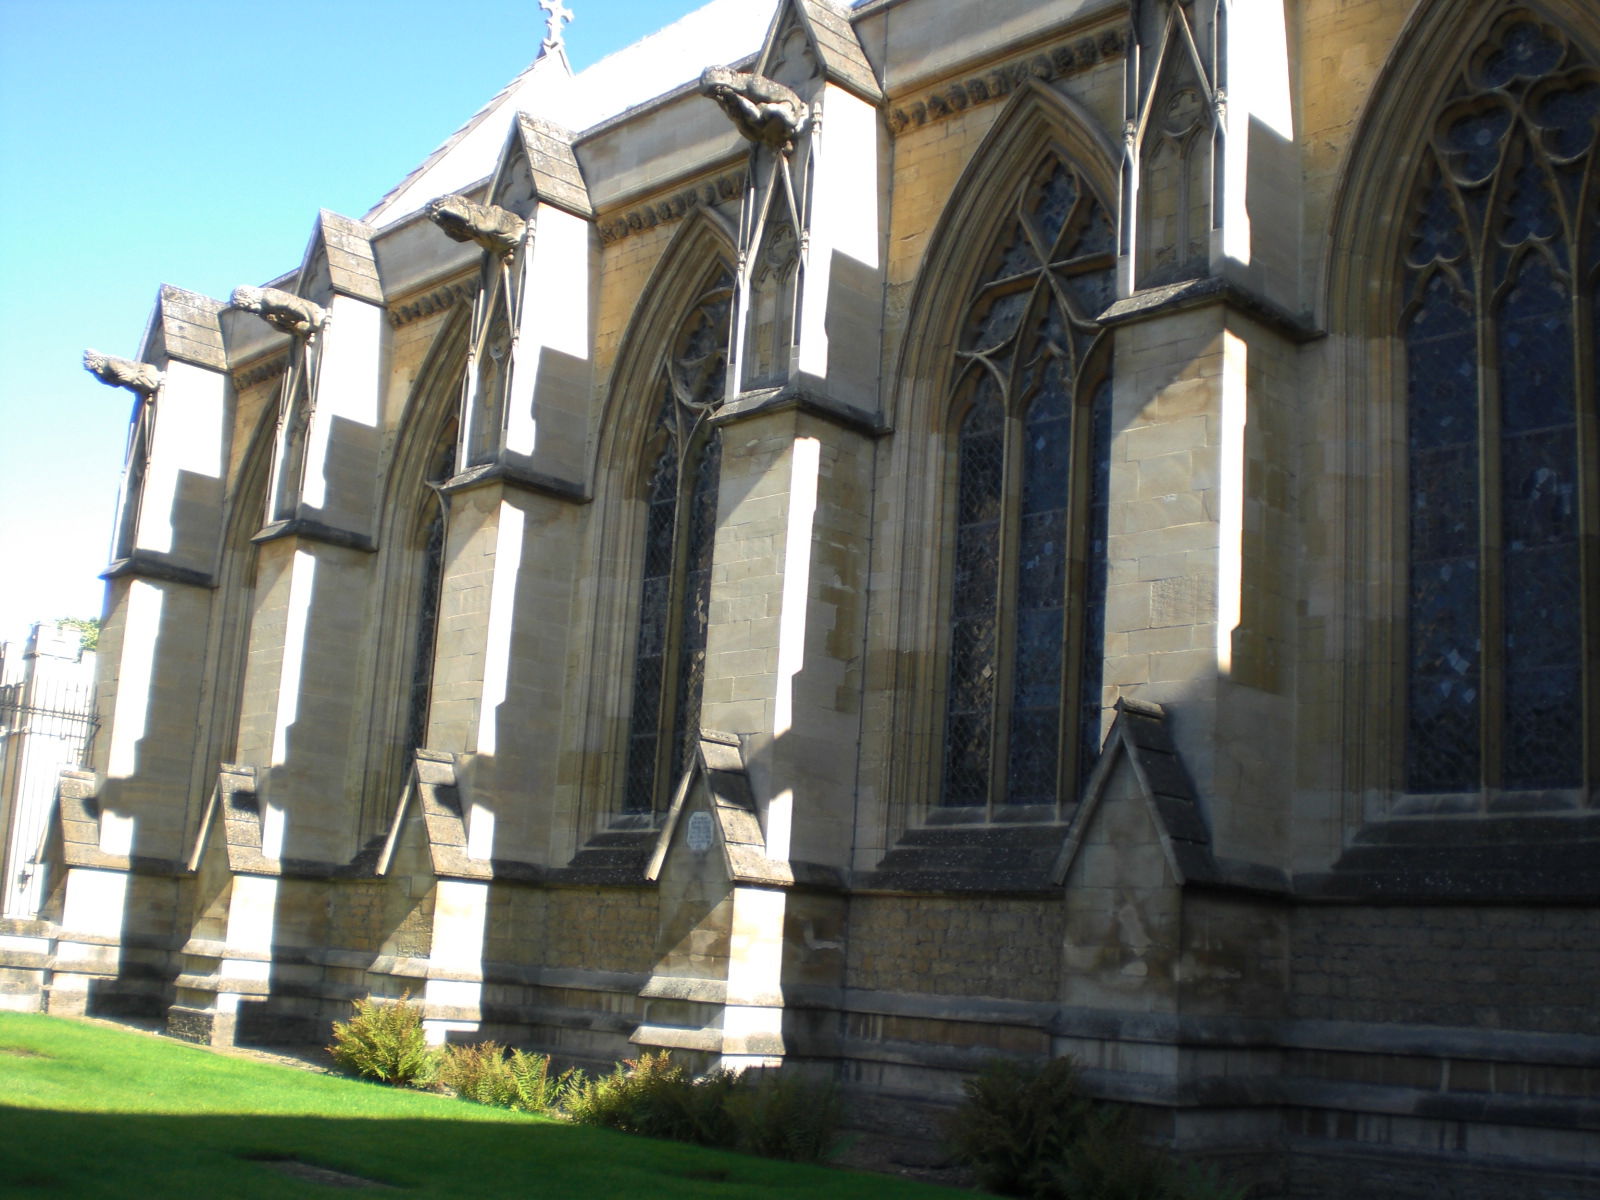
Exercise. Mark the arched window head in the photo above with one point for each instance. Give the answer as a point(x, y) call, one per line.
point(1032, 437)
point(1500, 270)
point(681, 466)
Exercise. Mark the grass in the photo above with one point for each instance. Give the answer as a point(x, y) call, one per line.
point(89, 1111)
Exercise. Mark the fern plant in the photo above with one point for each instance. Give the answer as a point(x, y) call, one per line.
point(383, 1040)
point(489, 1074)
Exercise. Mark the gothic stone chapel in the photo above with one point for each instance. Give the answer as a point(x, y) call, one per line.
point(1041, 527)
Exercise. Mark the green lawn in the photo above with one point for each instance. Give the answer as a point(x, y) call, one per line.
point(97, 1112)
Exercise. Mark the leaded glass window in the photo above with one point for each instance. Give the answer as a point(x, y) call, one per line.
point(1032, 439)
point(683, 460)
point(1500, 259)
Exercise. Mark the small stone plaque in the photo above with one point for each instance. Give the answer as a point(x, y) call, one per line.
point(699, 834)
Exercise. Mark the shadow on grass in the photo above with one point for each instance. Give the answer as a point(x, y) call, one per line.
point(83, 1154)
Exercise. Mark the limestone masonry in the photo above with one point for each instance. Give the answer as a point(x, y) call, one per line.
point(877, 538)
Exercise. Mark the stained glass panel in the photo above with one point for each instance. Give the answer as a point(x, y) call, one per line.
point(432, 581)
point(1525, 52)
point(1531, 208)
point(696, 601)
point(1055, 197)
point(1519, 152)
point(970, 700)
point(1569, 116)
point(650, 648)
point(1014, 531)
point(1040, 594)
point(1475, 140)
point(1444, 649)
point(1542, 627)
point(675, 587)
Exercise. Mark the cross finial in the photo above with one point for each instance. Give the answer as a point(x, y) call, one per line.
point(560, 14)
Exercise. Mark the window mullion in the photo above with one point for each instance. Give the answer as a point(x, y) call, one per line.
point(1006, 607)
point(1074, 609)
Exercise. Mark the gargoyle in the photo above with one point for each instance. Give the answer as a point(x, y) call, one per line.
point(281, 310)
point(127, 373)
point(492, 227)
point(764, 111)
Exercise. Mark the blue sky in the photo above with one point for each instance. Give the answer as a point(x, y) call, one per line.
point(192, 142)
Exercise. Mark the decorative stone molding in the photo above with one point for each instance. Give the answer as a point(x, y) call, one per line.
point(705, 194)
point(436, 300)
point(1058, 62)
point(260, 372)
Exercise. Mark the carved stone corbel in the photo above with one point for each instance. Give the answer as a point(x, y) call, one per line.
point(763, 110)
point(139, 377)
point(496, 229)
point(282, 310)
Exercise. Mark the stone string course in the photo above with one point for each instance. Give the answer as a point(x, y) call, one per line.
point(1059, 62)
point(706, 193)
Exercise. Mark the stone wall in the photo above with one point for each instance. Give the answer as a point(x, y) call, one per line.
point(1011, 948)
point(1525, 968)
point(609, 928)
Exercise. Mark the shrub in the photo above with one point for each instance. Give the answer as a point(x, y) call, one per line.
point(383, 1040)
point(761, 1112)
point(487, 1073)
point(1016, 1118)
point(1030, 1131)
point(780, 1114)
point(645, 1095)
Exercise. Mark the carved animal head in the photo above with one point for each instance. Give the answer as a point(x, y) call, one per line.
point(713, 79)
point(282, 310)
point(136, 376)
point(763, 110)
point(494, 228)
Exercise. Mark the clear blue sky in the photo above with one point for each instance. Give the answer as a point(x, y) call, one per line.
point(192, 142)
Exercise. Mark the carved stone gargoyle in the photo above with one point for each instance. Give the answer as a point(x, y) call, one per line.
point(762, 109)
point(282, 310)
point(492, 227)
point(128, 373)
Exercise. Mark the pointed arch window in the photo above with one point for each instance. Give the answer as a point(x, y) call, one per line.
point(1501, 293)
point(682, 458)
point(1031, 431)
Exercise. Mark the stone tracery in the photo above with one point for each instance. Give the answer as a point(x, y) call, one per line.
point(1498, 248)
point(1026, 588)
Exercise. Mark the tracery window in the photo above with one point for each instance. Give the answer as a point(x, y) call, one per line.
point(1501, 285)
point(683, 457)
point(1032, 446)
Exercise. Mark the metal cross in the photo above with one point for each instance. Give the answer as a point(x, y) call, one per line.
point(560, 14)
